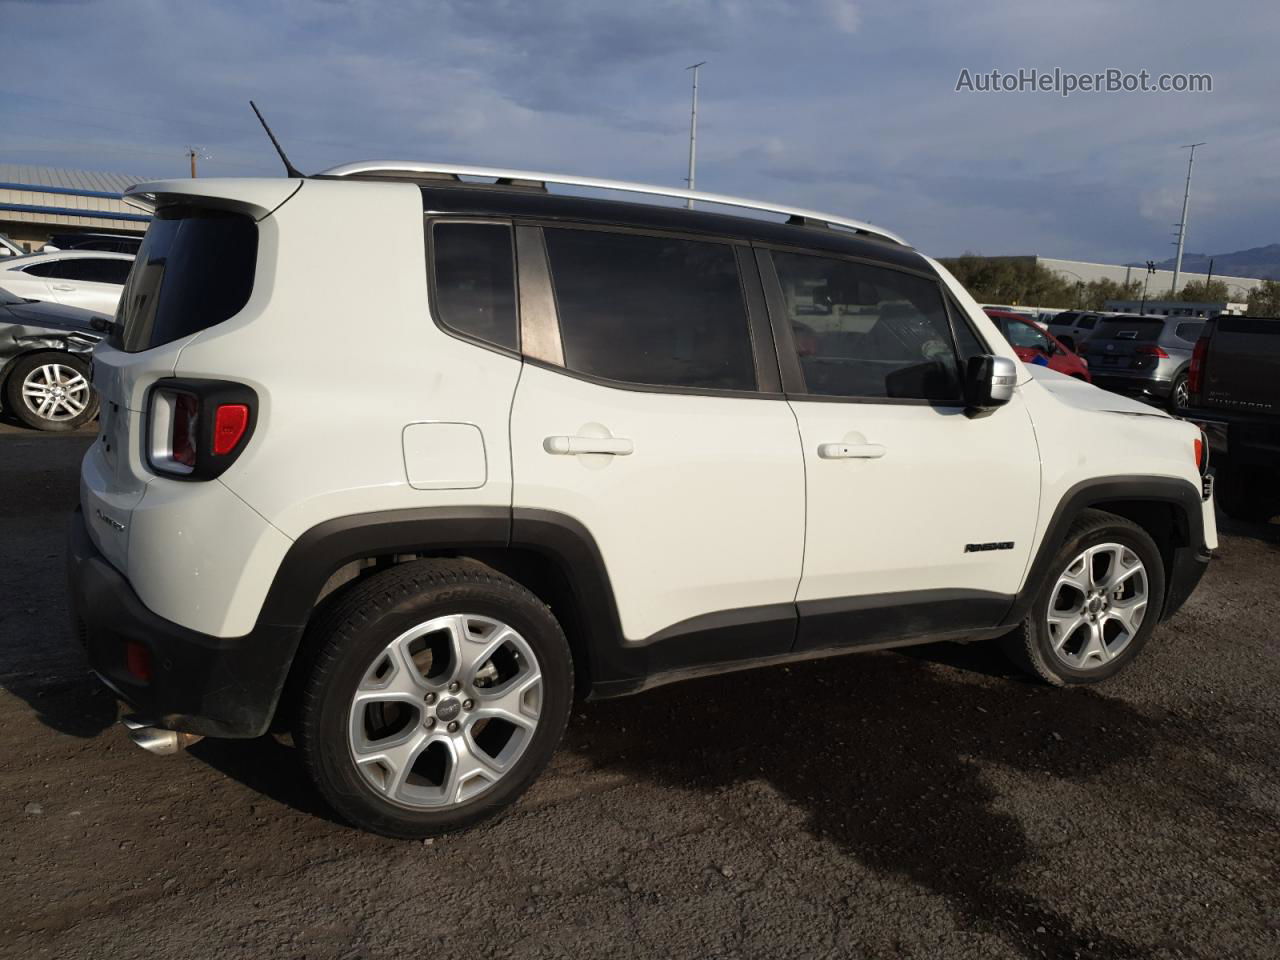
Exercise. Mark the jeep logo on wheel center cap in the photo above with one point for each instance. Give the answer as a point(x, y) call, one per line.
point(448, 709)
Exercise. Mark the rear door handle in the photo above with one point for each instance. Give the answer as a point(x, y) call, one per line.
point(572, 446)
point(851, 451)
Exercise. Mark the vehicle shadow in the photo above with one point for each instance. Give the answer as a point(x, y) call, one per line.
point(885, 755)
point(1268, 533)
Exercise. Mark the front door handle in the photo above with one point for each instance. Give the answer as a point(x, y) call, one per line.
point(572, 446)
point(64, 287)
point(851, 451)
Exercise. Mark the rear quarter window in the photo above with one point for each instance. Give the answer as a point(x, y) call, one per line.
point(195, 269)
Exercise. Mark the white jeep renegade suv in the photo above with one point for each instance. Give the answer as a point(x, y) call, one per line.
point(405, 499)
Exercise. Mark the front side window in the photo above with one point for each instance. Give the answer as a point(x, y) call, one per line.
point(867, 331)
point(475, 288)
point(650, 310)
point(1023, 334)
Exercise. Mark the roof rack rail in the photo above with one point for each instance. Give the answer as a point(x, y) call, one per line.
point(413, 170)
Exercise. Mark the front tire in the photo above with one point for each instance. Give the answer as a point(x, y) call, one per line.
point(50, 391)
point(1100, 603)
point(438, 691)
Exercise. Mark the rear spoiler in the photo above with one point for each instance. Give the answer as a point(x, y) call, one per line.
point(258, 197)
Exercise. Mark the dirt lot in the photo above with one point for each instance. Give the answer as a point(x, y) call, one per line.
point(896, 804)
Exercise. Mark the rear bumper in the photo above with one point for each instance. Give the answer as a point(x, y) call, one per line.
point(214, 686)
point(1132, 386)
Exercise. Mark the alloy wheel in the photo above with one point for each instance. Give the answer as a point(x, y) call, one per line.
point(1097, 606)
point(56, 391)
point(445, 711)
point(1181, 394)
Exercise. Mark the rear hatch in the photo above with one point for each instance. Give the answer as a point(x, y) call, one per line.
point(195, 268)
point(1124, 344)
point(1242, 369)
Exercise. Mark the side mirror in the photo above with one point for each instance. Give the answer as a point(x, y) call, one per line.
point(989, 382)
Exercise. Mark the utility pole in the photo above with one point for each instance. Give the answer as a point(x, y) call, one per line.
point(191, 152)
point(693, 131)
point(1151, 268)
point(1182, 226)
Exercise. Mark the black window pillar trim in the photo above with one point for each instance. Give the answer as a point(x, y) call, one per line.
point(783, 336)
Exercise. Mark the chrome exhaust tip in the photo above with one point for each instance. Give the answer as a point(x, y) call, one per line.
point(157, 740)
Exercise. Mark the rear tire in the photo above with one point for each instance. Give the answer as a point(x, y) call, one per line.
point(1092, 618)
point(438, 691)
point(50, 391)
point(1180, 395)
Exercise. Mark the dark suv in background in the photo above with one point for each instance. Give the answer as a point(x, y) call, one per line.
point(1143, 357)
point(1235, 399)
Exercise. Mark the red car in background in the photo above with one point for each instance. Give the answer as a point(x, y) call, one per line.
point(1033, 344)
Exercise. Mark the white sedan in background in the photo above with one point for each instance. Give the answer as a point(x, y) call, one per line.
point(89, 279)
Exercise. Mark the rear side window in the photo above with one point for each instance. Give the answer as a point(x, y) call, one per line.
point(867, 331)
point(1086, 323)
point(1189, 331)
point(475, 281)
point(651, 310)
point(50, 268)
point(195, 269)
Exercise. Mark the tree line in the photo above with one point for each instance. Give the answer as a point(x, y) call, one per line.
point(1027, 283)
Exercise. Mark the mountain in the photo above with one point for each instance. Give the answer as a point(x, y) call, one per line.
point(1260, 262)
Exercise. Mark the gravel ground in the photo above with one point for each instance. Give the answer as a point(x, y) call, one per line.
point(922, 803)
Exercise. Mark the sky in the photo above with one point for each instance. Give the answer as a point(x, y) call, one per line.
point(848, 106)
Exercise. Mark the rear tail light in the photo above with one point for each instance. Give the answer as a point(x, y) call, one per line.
point(1195, 376)
point(229, 424)
point(197, 428)
point(1151, 350)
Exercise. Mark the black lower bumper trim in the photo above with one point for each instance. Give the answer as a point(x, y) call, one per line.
point(214, 686)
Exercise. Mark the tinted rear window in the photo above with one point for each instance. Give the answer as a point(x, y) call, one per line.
point(1122, 329)
point(195, 269)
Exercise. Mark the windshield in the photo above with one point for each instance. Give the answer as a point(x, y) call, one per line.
point(195, 269)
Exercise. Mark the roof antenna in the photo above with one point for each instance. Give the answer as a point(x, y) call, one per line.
point(289, 169)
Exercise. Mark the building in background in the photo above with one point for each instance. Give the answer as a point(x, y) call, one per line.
point(37, 202)
point(1082, 271)
point(1178, 308)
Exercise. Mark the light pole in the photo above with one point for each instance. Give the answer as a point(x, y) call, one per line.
point(693, 130)
point(1182, 226)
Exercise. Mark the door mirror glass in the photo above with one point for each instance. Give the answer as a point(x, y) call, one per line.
point(989, 382)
